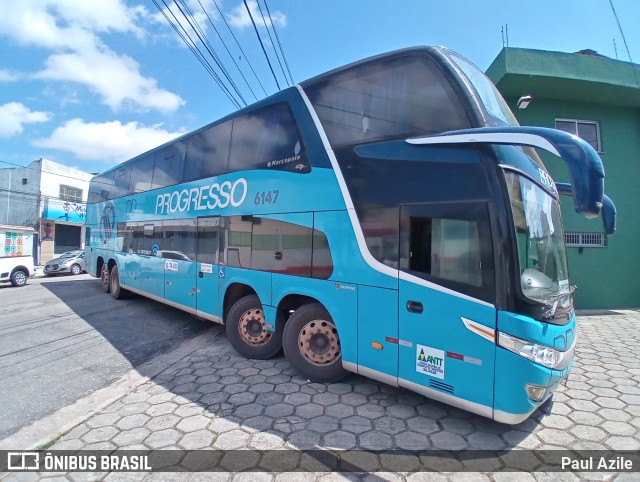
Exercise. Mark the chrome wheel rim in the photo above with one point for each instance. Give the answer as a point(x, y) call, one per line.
point(253, 328)
point(318, 343)
point(21, 278)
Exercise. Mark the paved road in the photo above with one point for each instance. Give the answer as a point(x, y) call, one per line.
point(62, 338)
point(203, 395)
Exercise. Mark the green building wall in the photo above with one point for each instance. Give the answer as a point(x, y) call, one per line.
point(607, 277)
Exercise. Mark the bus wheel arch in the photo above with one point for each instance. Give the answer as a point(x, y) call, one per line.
point(246, 327)
point(311, 342)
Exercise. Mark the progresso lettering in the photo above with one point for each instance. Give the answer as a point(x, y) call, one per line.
point(200, 198)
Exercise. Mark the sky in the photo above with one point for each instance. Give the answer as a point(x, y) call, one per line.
point(92, 83)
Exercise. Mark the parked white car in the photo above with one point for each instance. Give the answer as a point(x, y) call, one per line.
point(16, 269)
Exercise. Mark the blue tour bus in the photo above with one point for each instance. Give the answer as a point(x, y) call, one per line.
point(388, 218)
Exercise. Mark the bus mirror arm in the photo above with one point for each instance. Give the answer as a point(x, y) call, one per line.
point(608, 208)
point(585, 166)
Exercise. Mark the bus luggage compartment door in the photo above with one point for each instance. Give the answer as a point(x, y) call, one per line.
point(446, 348)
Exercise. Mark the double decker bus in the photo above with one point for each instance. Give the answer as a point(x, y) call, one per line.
point(388, 218)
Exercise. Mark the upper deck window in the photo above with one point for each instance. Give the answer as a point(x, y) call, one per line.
point(394, 98)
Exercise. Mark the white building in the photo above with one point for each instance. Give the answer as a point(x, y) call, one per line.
point(49, 197)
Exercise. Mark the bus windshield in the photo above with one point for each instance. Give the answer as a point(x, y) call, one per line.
point(491, 98)
point(540, 239)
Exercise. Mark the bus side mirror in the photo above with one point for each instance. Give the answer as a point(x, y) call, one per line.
point(585, 166)
point(608, 208)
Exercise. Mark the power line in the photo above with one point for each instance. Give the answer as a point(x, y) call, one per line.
point(264, 21)
point(194, 49)
point(205, 41)
point(239, 47)
point(261, 44)
point(227, 49)
point(624, 39)
point(278, 40)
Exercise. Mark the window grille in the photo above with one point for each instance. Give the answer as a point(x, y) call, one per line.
point(587, 130)
point(585, 240)
point(70, 193)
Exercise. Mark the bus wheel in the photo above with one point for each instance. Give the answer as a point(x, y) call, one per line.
point(117, 293)
point(247, 330)
point(104, 278)
point(312, 346)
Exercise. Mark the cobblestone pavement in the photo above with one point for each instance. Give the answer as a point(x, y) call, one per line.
point(214, 398)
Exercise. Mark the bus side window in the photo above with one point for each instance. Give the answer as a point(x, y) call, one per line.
point(322, 263)
point(208, 152)
point(141, 173)
point(208, 240)
point(449, 244)
point(235, 247)
point(179, 239)
point(281, 247)
point(268, 139)
point(169, 165)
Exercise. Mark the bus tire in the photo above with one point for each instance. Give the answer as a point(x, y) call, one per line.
point(117, 292)
point(312, 346)
point(104, 278)
point(247, 330)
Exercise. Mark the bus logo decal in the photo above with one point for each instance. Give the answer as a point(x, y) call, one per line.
point(107, 221)
point(210, 196)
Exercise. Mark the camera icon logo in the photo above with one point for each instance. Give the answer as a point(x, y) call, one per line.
point(23, 461)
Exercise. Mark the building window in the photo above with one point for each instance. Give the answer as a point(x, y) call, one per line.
point(70, 193)
point(587, 130)
point(585, 240)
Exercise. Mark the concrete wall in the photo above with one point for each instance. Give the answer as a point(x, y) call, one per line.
point(18, 201)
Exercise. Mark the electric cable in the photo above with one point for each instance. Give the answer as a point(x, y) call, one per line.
point(240, 47)
point(261, 44)
point(205, 41)
point(279, 44)
point(264, 21)
point(228, 51)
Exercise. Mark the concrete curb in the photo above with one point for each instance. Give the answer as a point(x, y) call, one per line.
point(48, 429)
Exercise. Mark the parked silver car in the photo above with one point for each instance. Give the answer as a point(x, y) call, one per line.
point(69, 262)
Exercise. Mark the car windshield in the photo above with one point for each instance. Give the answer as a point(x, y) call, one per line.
point(70, 254)
point(541, 250)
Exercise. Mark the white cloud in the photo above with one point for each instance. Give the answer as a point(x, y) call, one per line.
point(14, 115)
point(70, 29)
point(116, 78)
point(109, 142)
point(9, 76)
point(70, 24)
point(239, 17)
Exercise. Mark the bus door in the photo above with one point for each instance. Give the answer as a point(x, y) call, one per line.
point(207, 266)
point(151, 266)
point(446, 313)
point(179, 254)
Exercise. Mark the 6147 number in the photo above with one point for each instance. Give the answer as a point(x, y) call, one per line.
point(267, 197)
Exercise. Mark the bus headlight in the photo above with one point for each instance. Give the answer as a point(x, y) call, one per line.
point(540, 354)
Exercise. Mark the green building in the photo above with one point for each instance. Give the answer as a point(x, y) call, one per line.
point(598, 99)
